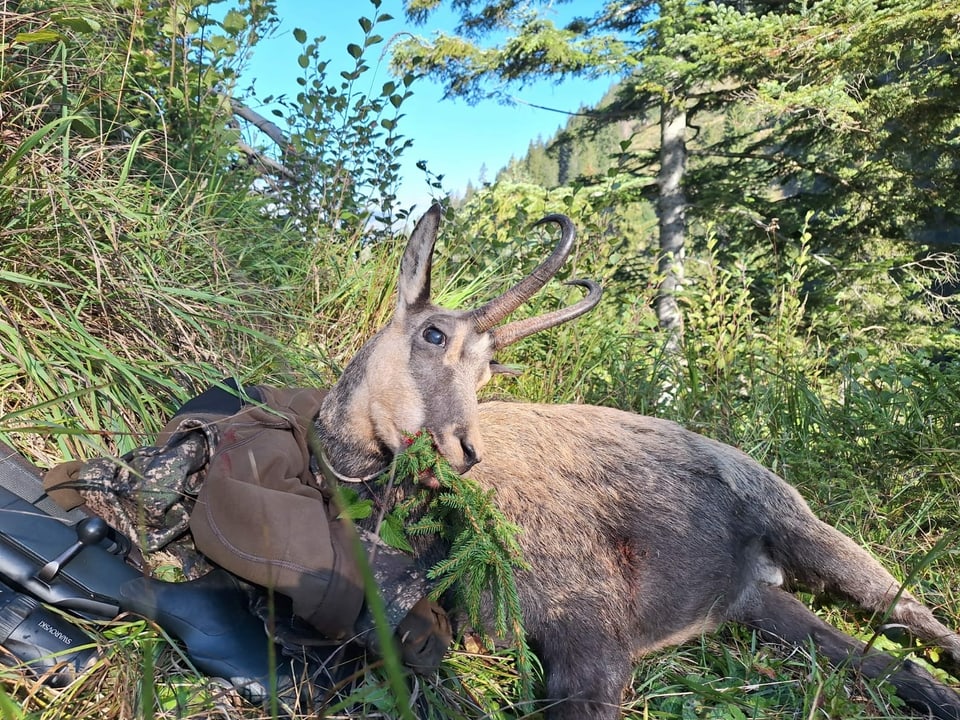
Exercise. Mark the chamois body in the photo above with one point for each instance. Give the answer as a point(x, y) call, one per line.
point(639, 534)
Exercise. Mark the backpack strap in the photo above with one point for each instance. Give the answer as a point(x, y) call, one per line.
point(23, 479)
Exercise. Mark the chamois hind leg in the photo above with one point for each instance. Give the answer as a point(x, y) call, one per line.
point(836, 563)
point(782, 618)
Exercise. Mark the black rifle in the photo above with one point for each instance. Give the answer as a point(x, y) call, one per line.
point(77, 564)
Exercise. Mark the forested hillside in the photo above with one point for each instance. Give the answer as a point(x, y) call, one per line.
point(594, 147)
point(768, 194)
point(583, 151)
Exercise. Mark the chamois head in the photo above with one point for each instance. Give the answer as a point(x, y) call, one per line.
point(424, 368)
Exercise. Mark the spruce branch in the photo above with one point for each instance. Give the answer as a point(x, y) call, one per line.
point(484, 553)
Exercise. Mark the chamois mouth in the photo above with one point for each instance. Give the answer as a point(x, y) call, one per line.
point(459, 449)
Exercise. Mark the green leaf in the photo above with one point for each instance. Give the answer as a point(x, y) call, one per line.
point(355, 51)
point(366, 24)
point(85, 124)
point(353, 507)
point(300, 35)
point(234, 22)
point(38, 36)
point(392, 533)
point(79, 23)
point(9, 708)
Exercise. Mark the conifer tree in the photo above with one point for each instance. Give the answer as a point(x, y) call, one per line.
point(621, 36)
point(846, 109)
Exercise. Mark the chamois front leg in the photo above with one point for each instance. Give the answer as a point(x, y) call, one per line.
point(586, 670)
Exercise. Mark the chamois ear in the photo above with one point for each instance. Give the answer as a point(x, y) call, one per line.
point(414, 284)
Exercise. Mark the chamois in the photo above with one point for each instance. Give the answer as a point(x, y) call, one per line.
point(639, 534)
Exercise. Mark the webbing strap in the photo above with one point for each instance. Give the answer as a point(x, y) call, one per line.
point(23, 479)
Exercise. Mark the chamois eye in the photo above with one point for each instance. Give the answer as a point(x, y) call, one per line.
point(434, 336)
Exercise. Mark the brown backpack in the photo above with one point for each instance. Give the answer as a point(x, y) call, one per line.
point(235, 469)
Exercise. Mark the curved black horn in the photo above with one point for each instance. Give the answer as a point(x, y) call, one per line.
point(487, 316)
point(519, 329)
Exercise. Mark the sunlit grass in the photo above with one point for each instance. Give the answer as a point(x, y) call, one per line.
point(122, 295)
point(116, 316)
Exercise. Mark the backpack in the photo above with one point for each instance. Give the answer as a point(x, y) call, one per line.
point(231, 480)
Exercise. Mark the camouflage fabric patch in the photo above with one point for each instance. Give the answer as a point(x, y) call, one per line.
point(149, 493)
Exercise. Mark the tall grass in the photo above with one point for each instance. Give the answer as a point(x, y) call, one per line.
point(104, 332)
point(115, 311)
point(127, 285)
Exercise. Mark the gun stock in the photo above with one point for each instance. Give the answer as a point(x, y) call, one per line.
point(46, 555)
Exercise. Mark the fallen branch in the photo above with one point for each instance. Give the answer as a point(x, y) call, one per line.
point(266, 162)
point(267, 127)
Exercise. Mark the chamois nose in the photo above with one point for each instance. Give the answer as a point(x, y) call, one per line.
point(470, 457)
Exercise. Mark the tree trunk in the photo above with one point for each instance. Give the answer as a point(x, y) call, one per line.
point(671, 207)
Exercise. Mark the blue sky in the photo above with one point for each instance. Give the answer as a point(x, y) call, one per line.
point(455, 138)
